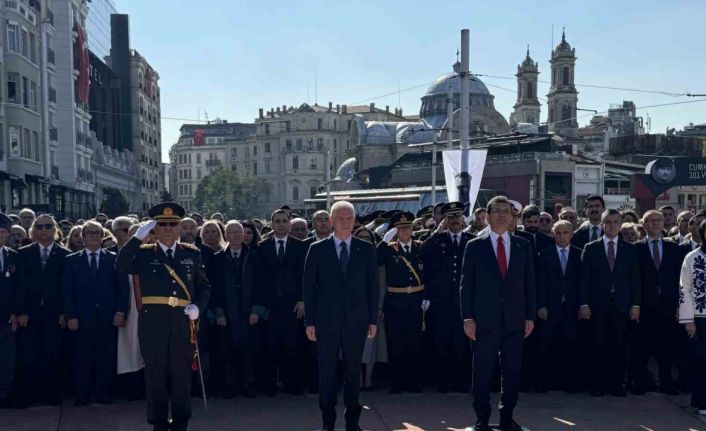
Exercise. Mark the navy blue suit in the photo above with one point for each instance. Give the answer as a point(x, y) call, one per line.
point(7, 308)
point(500, 306)
point(557, 291)
point(340, 305)
point(658, 332)
point(39, 296)
point(610, 294)
point(93, 299)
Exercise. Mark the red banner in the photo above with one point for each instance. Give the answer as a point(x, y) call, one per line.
point(198, 137)
point(81, 64)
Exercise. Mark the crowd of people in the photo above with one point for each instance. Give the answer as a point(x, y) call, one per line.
point(603, 292)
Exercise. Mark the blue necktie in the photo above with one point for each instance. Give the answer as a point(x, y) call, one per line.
point(343, 257)
point(564, 261)
point(94, 263)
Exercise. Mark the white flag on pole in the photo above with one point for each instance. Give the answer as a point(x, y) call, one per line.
point(452, 169)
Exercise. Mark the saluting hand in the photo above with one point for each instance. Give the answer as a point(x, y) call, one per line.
point(144, 230)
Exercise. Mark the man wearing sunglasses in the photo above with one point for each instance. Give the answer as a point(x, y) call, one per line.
point(40, 268)
point(173, 288)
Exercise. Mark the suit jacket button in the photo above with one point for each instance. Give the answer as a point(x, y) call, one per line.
point(173, 282)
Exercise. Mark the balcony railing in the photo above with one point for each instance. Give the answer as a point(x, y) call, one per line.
point(52, 95)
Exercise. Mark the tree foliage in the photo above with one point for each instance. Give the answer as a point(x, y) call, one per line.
point(225, 192)
point(114, 203)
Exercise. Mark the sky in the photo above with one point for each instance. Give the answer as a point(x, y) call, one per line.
point(227, 59)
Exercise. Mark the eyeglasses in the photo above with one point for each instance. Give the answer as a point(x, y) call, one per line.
point(168, 223)
point(43, 226)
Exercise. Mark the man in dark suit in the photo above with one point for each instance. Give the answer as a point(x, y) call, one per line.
point(683, 226)
point(442, 256)
point(498, 307)
point(40, 268)
point(233, 284)
point(658, 331)
point(8, 320)
point(591, 231)
point(173, 290)
point(95, 303)
point(610, 294)
point(280, 265)
point(530, 222)
point(341, 294)
point(558, 277)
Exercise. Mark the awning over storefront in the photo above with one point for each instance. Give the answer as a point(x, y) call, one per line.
point(36, 179)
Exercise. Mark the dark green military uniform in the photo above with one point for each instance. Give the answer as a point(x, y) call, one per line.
point(403, 306)
point(163, 328)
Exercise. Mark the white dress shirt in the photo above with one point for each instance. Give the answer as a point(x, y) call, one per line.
point(98, 257)
point(165, 248)
point(408, 245)
point(506, 242)
point(277, 243)
point(615, 245)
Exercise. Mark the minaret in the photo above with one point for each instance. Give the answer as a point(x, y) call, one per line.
point(563, 96)
point(527, 106)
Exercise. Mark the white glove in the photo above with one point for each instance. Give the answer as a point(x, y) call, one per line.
point(192, 311)
point(425, 304)
point(382, 229)
point(390, 234)
point(145, 229)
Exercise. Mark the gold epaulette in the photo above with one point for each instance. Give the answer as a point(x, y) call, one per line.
point(148, 246)
point(190, 246)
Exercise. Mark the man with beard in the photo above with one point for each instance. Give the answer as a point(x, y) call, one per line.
point(189, 231)
point(669, 218)
point(442, 256)
point(591, 231)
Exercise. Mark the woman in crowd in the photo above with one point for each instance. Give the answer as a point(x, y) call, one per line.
point(376, 348)
point(251, 234)
point(74, 241)
point(692, 314)
point(629, 232)
point(629, 216)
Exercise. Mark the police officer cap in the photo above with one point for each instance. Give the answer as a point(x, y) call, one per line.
point(425, 212)
point(402, 218)
point(377, 216)
point(389, 214)
point(516, 206)
point(5, 222)
point(364, 219)
point(452, 209)
point(166, 211)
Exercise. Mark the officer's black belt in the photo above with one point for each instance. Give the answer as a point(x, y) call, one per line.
point(408, 289)
point(171, 301)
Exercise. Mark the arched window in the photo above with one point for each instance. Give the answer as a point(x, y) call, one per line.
point(565, 75)
point(530, 90)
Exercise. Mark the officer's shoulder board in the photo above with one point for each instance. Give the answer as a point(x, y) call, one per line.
point(418, 243)
point(148, 246)
point(189, 246)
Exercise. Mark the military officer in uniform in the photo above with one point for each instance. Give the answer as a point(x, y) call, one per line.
point(442, 256)
point(401, 275)
point(173, 288)
point(424, 214)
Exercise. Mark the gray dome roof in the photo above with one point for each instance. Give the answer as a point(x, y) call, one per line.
point(453, 80)
point(347, 171)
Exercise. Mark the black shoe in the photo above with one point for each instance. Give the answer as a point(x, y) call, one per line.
point(462, 389)
point(179, 426)
point(482, 426)
point(271, 393)
point(81, 402)
point(443, 388)
point(617, 392)
point(509, 425)
point(6, 404)
point(540, 389)
point(415, 389)
point(597, 393)
point(355, 427)
point(160, 428)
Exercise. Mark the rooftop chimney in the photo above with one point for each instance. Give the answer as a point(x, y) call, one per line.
point(284, 108)
point(330, 106)
point(344, 109)
point(338, 108)
point(372, 107)
point(400, 114)
point(278, 109)
point(261, 113)
point(387, 108)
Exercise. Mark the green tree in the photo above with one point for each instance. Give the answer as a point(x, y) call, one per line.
point(225, 192)
point(167, 197)
point(114, 203)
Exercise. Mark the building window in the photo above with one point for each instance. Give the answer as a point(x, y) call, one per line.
point(299, 144)
point(35, 142)
point(313, 163)
point(319, 123)
point(25, 92)
point(295, 193)
point(530, 90)
point(12, 37)
point(312, 192)
point(267, 128)
point(24, 45)
point(254, 150)
point(295, 162)
point(33, 95)
point(26, 144)
point(334, 124)
point(267, 147)
point(198, 158)
point(320, 144)
point(565, 75)
point(288, 126)
point(12, 79)
point(254, 168)
point(198, 173)
point(349, 125)
point(267, 166)
point(310, 144)
point(335, 145)
point(32, 48)
point(14, 132)
point(234, 153)
point(288, 145)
